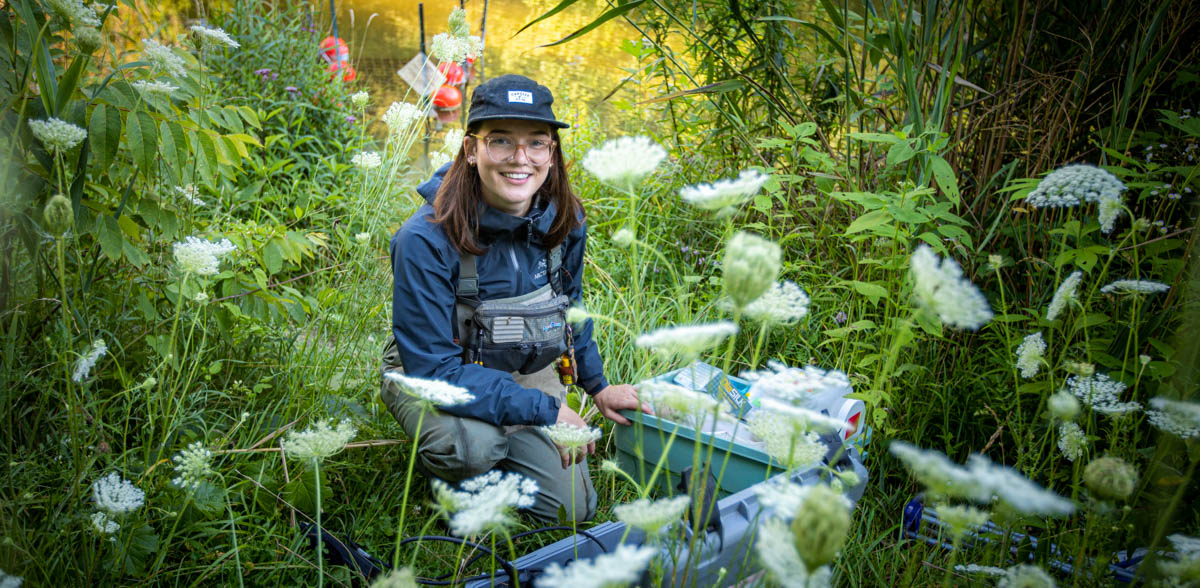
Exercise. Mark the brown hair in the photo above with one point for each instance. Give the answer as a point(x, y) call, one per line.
point(457, 202)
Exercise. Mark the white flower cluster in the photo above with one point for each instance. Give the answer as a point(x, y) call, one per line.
point(784, 303)
point(190, 193)
point(724, 195)
point(1025, 576)
point(784, 497)
point(400, 116)
point(399, 578)
point(687, 340)
point(320, 441)
point(1181, 570)
point(58, 136)
point(200, 256)
point(1176, 417)
point(485, 502)
point(1101, 393)
point(435, 392)
point(1063, 405)
point(1030, 354)
point(439, 158)
point(1066, 292)
point(154, 87)
point(676, 402)
point(788, 445)
point(367, 160)
point(1071, 441)
point(1107, 213)
point(1135, 287)
point(624, 237)
point(803, 419)
point(116, 495)
point(794, 384)
point(622, 162)
point(776, 547)
point(571, 436)
point(1072, 184)
point(104, 524)
point(163, 59)
point(962, 518)
point(85, 363)
point(74, 12)
point(979, 481)
point(939, 285)
point(193, 466)
point(359, 99)
point(448, 47)
point(652, 516)
point(214, 36)
point(978, 569)
point(622, 567)
point(453, 141)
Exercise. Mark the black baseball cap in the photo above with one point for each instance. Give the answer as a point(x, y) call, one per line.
point(513, 96)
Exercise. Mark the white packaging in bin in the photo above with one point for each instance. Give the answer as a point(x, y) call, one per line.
point(809, 387)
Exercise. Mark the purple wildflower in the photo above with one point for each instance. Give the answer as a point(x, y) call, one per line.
point(263, 73)
point(840, 318)
point(293, 90)
point(350, 118)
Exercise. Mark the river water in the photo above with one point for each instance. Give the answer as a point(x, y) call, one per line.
point(580, 73)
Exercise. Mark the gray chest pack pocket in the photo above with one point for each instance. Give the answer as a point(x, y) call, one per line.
point(519, 334)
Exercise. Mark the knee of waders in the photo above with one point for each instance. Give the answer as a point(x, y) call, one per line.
point(555, 504)
point(455, 449)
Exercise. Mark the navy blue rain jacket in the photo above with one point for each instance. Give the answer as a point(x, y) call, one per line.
point(425, 269)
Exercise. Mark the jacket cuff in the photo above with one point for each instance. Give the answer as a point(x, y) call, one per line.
point(547, 412)
point(594, 385)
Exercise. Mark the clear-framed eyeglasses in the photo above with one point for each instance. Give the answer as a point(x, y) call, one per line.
point(501, 148)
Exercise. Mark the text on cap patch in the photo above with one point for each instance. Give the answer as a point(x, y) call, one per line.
point(522, 96)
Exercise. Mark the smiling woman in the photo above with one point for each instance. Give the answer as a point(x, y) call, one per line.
point(484, 275)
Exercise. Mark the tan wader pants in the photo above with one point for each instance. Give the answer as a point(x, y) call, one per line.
point(455, 448)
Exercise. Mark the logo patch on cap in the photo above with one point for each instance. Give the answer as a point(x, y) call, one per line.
point(521, 96)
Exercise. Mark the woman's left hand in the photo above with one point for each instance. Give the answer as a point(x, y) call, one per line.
point(618, 397)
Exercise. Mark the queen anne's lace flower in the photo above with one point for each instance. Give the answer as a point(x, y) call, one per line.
point(622, 567)
point(1030, 355)
point(214, 36)
point(776, 548)
point(978, 569)
point(1176, 417)
point(116, 495)
point(724, 194)
point(154, 87)
point(940, 476)
point(784, 303)
point(622, 162)
point(652, 516)
point(674, 401)
point(84, 365)
point(624, 238)
point(939, 285)
point(688, 340)
point(103, 524)
point(570, 436)
point(1101, 393)
point(750, 267)
point(1110, 477)
point(485, 502)
point(163, 59)
point(1017, 491)
point(435, 392)
point(367, 160)
point(787, 444)
point(190, 193)
point(319, 441)
point(453, 141)
point(795, 384)
point(58, 136)
point(1135, 287)
point(1063, 405)
point(1071, 441)
point(199, 256)
point(1065, 293)
point(961, 518)
point(401, 578)
point(1072, 184)
point(74, 12)
point(802, 419)
point(1025, 576)
point(439, 158)
point(359, 99)
point(447, 47)
point(193, 466)
point(400, 116)
point(783, 497)
point(1108, 212)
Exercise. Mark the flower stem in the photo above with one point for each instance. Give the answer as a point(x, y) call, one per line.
point(412, 458)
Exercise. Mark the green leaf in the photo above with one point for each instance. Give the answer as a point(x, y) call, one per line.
point(873, 292)
point(553, 11)
point(869, 220)
point(301, 492)
point(174, 148)
point(69, 81)
point(899, 152)
point(104, 135)
point(945, 177)
point(250, 116)
point(134, 254)
point(273, 258)
point(207, 162)
point(111, 241)
point(874, 137)
point(142, 134)
point(138, 546)
point(603, 18)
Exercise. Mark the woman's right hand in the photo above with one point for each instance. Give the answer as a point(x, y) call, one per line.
point(570, 417)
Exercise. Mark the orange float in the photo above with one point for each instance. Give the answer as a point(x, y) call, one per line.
point(334, 49)
point(348, 71)
point(447, 98)
point(452, 72)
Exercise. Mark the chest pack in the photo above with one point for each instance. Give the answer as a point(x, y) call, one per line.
point(523, 333)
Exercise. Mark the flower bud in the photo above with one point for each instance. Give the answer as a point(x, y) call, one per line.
point(1110, 477)
point(1063, 405)
point(458, 23)
point(88, 39)
point(820, 527)
point(623, 238)
point(751, 266)
point(58, 215)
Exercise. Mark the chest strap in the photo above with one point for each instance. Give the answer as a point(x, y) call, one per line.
point(468, 274)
